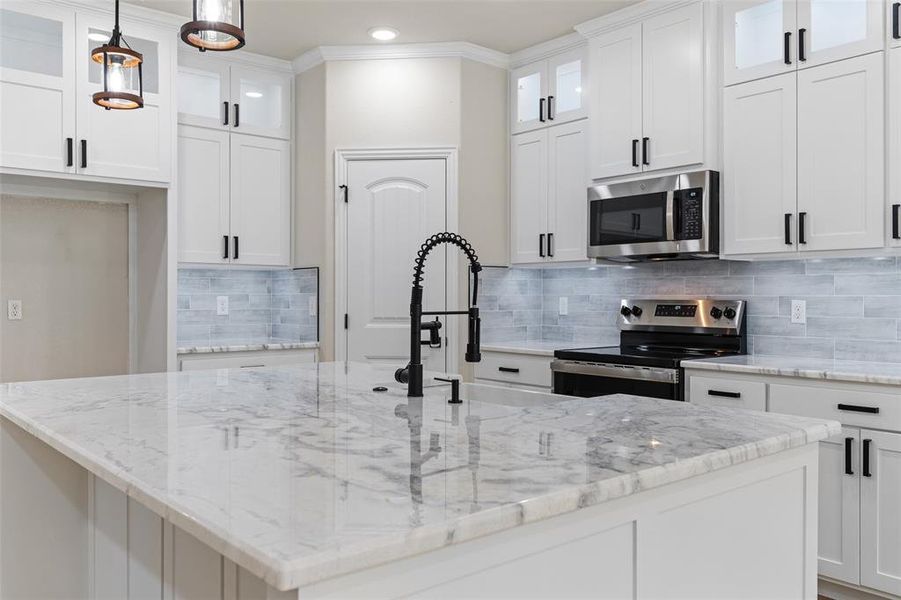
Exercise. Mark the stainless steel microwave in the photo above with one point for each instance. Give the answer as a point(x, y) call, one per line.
point(669, 217)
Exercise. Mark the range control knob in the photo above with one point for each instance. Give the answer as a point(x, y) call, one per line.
point(729, 313)
point(636, 310)
point(625, 311)
point(716, 313)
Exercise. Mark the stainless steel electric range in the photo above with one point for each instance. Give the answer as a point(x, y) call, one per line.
point(655, 337)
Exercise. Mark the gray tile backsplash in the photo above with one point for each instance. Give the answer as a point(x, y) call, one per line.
point(264, 306)
point(853, 304)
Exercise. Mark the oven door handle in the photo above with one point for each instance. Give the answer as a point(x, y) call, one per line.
point(670, 225)
point(616, 371)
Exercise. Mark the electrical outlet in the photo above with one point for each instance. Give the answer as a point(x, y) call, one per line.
point(799, 311)
point(312, 306)
point(564, 305)
point(14, 310)
point(221, 305)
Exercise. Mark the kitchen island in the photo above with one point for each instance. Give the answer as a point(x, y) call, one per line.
point(303, 482)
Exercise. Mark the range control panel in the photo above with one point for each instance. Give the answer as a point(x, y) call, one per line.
point(676, 310)
point(684, 314)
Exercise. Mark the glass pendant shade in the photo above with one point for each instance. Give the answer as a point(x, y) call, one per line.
point(217, 25)
point(123, 81)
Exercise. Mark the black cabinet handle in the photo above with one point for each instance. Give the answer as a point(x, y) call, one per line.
point(236, 247)
point(550, 245)
point(541, 110)
point(788, 229)
point(896, 221)
point(802, 54)
point(787, 58)
point(70, 159)
point(225, 113)
point(225, 246)
point(802, 223)
point(541, 245)
point(635, 153)
point(848, 469)
point(645, 158)
point(896, 20)
point(508, 369)
point(873, 410)
point(550, 108)
point(866, 458)
point(237, 114)
point(724, 394)
point(84, 154)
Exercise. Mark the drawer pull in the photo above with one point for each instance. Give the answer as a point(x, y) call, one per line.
point(848, 469)
point(252, 366)
point(724, 394)
point(508, 369)
point(861, 409)
point(866, 458)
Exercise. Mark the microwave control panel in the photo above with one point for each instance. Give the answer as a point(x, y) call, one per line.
point(689, 204)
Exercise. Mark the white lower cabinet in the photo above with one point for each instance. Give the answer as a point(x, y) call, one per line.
point(880, 511)
point(247, 360)
point(517, 369)
point(838, 551)
point(724, 392)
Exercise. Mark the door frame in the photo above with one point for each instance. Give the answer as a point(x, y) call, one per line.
point(343, 157)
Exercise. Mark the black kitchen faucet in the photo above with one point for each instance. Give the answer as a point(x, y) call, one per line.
point(412, 373)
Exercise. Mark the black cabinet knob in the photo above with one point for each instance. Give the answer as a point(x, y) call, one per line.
point(716, 313)
point(636, 310)
point(625, 311)
point(729, 313)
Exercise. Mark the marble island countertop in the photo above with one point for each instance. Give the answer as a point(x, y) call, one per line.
point(812, 368)
point(303, 473)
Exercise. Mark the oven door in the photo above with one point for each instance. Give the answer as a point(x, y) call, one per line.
point(588, 380)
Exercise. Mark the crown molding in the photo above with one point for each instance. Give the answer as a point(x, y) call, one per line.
point(629, 15)
point(547, 49)
point(240, 57)
point(317, 56)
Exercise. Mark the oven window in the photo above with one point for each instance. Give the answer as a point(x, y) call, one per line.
point(628, 220)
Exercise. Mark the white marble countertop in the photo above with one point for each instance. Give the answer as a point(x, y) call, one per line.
point(302, 473)
point(534, 348)
point(812, 368)
point(247, 347)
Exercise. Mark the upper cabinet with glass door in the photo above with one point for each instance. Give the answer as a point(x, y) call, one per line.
point(549, 92)
point(768, 37)
point(211, 93)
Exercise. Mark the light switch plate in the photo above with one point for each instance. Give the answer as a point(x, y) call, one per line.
point(564, 306)
point(799, 311)
point(14, 310)
point(221, 305)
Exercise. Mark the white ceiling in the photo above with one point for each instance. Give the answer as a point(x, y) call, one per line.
point(288, 28)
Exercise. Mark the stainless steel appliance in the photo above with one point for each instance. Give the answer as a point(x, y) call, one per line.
point(655, 337)
point(669, 217)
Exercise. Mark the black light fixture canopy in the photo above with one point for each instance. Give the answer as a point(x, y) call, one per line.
point(215, 25)
point(123, 77)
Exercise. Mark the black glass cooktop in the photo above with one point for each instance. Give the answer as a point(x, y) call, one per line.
point(650, 356)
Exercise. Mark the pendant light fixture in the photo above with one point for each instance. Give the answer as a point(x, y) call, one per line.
point(217, 25)
point(123, 79)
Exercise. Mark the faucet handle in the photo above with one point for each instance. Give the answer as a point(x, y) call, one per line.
point(455, 389)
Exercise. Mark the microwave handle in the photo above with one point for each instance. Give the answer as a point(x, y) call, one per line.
point(670, 232)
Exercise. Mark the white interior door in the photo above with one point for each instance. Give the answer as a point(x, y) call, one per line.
point(841, 154)
point(759, 39)
point(567, 191)
point(528, 197)
point(838, 550)
point(393, 207)
point(760, 160)
point(616, 103)
point(203, 195)
point(837, 29)
point(880, 513)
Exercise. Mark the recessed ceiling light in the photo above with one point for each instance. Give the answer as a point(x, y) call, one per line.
point(98, 37)
point(383, 34)
point(254, 94)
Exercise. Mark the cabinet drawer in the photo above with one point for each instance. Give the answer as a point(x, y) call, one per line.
point(724, 392)
point(515, 368)
point(857, 408)
point(248, 360)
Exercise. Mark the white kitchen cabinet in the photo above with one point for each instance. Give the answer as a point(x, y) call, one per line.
point(548, 194)
point(648, 113)
point(760, 157)
point(893, 21)
point(709, 391)
point(37, 87)
point(830, 30)
point(528, 95)
point(204, 93)
point(838, 550)
point(515, 369)
point(880, 511)
point(247, 360)
point(893, 220)
point(841, 155)
point(234, 198)
point(549, 92)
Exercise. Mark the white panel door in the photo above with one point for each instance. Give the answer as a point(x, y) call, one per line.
point(260, 212)
point(758, 39)
point(567, 192)
point(203, 195)
point(261, 102)
point(831, 30)
point(894, 146)
point(393, 207)
point(529, 197)
point(841, 154)
point(528, 95)
point(838, 551)
point(759, 175)
point(616, 104)
point(203, 93)
point(880, 512)
point(126, 144)
point(893, 20)
point(567, 86)
point(37, 87)
point(673, 88)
